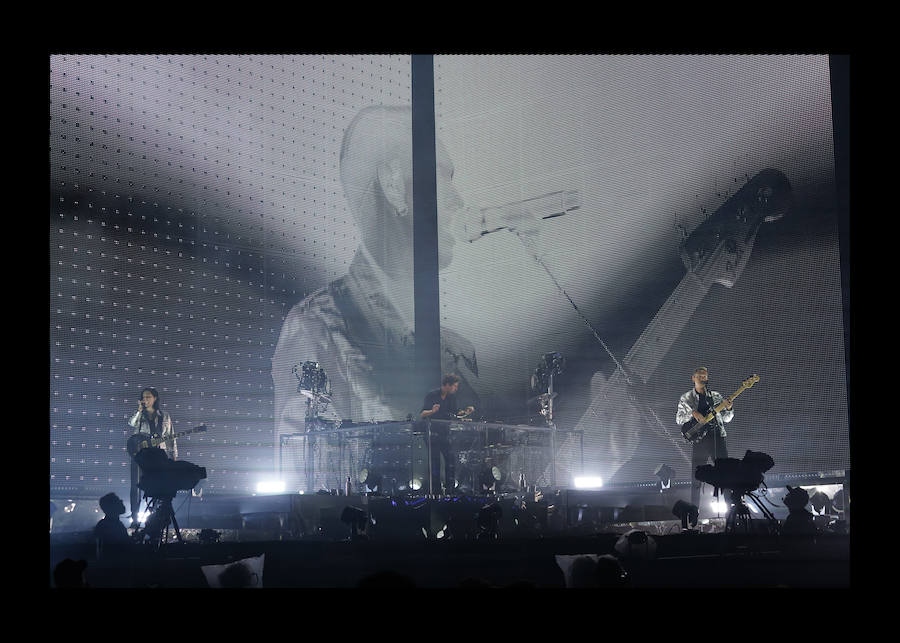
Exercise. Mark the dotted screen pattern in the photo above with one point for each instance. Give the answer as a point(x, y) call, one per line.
point(653, 145)
point(245, 228)
point(194, 200)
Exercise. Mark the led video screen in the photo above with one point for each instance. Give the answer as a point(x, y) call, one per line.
point(195, 201)
point(231, 229)
point(642, 216)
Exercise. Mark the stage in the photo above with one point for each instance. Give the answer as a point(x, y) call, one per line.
point(319, 337)
point(314, 540)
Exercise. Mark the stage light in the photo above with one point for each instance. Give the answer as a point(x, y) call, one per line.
point(837, 502)
point(636, 543)
point(466, 480)
point(665, 473)
point(719, 506)
point(588, 482)
point(270, 486)
point(415, 484)
point(486, 478)
point(820, 502)
point(687, 513)
point(372, 479)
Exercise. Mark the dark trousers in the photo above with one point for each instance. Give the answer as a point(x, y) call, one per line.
point(135, 492)
point(440, 446)
point(712, 446)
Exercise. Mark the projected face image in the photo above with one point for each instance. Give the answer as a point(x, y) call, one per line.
point(360, 327)
point(377, 176)
point(450, 207)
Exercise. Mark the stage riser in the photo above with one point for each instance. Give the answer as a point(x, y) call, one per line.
point(308, 516)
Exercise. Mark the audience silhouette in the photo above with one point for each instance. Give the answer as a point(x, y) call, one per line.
point(110, 530)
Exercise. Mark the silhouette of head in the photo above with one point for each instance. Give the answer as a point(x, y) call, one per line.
point(112, 505)
point(237, 575)
point(610, 572)
point(583, 572)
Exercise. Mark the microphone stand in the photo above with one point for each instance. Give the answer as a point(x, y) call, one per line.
point(633, 392)
point(430, 472)
point(715, 421)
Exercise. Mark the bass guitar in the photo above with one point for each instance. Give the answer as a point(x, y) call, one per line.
point(693, 430)
point(140, 441)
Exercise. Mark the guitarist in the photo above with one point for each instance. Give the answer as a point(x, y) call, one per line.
point(697, 404)
point(151, 420)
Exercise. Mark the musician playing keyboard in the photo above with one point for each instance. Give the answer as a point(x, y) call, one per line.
point(697, 404)
point(440, 404)
point(149, 419)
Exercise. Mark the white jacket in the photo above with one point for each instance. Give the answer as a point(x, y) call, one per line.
point(689, 402)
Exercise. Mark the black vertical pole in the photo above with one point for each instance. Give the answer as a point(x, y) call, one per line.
point(425, 231)
point(839, 66)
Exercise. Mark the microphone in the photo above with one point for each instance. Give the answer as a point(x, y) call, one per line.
point(522, 215)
